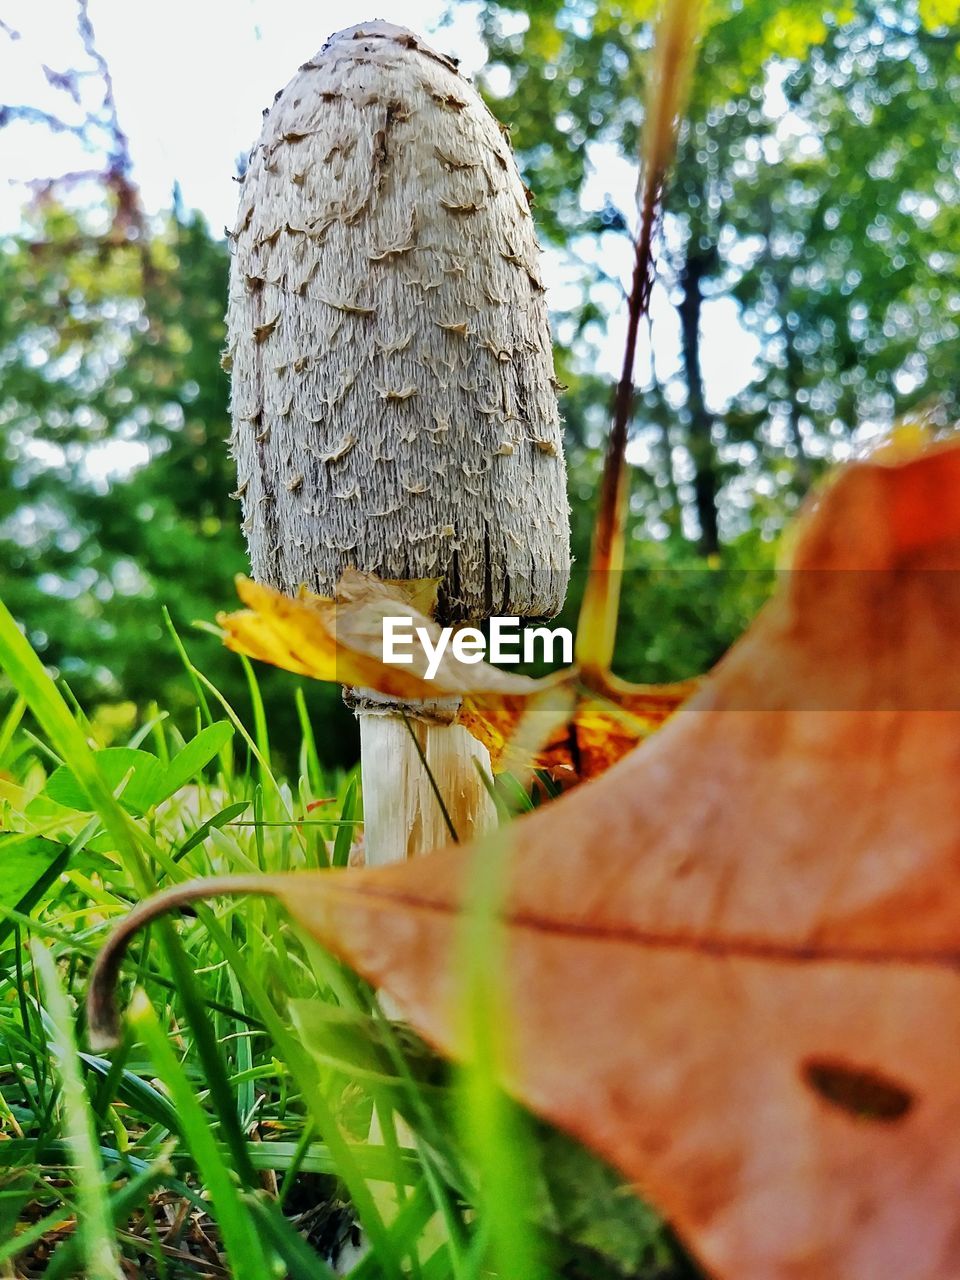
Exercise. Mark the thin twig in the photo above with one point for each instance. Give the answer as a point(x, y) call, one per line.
point(121, 149)
point(34, 115)
point(677, 32)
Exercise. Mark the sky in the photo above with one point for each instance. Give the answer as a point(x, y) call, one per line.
point(190, 87)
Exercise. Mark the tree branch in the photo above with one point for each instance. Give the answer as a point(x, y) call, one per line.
point(33, 115)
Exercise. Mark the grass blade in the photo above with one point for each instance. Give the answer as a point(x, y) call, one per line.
point(248, 1258)
point(98, 1245)
point(48, 705)
point(676, 39)
point(301, 1262)
point(345, 833)
point(493, 1126)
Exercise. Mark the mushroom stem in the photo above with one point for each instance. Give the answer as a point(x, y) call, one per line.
point(423, 786)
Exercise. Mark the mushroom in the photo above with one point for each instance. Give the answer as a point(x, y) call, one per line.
point(393, 391)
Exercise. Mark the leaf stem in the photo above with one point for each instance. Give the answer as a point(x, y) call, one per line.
point(102, 1016)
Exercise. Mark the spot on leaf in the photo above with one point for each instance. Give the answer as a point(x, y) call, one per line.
point(863, 1093)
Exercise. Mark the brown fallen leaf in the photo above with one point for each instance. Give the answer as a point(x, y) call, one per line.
point(733, 960)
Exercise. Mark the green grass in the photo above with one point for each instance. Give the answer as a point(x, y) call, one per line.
point(230, 1133)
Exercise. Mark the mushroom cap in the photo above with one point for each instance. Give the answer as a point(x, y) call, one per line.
point(393, 391)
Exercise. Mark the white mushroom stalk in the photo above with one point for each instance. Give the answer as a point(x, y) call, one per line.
point(394, 400)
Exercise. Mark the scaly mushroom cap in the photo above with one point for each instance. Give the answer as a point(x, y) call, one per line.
point(394, 398)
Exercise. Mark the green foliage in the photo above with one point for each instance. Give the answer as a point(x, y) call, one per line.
point(29, 865)
point(937, 14)
point(815, 187)
point(141, 779)
point(115, 478)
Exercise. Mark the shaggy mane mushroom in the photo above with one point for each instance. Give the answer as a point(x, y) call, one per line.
point(393, 391)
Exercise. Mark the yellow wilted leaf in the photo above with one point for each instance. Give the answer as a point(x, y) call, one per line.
point(342, 640)
point(576, 725)
point(604, 721)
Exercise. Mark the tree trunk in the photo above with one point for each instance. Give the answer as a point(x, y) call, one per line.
point(794, 372)
point(664, 416)
point(706, 479)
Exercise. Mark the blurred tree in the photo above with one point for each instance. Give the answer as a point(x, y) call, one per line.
point(816, 186)
point(851, 282)
point(115, 477)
